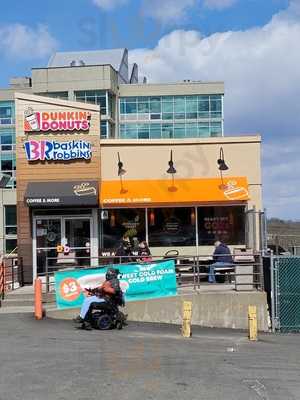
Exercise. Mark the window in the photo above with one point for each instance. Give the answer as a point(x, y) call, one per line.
point(55, 95)
point(179, 130)
point(10, 228)
point(171, 227)
point(94, 97)
point(103, 129)
point(10, 246)
point(216, 129)
point(10, 220)
point(143, 131)
point(8, 166)
point(129, 222)
point(7, 139)
point(7, 112)
point(178, 112)
point(221, 223)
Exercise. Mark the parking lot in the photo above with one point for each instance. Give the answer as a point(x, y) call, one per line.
point(50, 359)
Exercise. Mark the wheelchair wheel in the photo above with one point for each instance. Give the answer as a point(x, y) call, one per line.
point(104, 322)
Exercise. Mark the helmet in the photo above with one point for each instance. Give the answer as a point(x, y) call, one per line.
point(111, 274)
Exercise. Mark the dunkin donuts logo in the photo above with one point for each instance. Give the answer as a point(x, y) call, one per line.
point(58, 151)
point(56, 121)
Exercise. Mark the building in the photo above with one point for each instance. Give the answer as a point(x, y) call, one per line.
point(141, 124)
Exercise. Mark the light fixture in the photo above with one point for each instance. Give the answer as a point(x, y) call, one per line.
point(222, 167)
point(221, 162)
point(152, 217)
point(171, 169)
point(112, 222)
point(193, 216)
point(121, 170)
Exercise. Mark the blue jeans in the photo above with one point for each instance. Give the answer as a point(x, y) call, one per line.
point(211, 276)
point(86, 304)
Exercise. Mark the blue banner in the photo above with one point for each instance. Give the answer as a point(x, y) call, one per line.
point(138, 282)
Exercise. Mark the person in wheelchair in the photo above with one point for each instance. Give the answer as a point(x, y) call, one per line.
point(105, 299)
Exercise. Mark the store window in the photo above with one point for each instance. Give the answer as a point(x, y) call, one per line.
point(169, 227)
point(221, 223)
point(122, 222)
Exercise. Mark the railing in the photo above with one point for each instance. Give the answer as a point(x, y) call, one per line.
point(11, 275)
point(191, 271)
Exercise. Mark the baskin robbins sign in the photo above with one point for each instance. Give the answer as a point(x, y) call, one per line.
point(56, 121)
point(58, 151)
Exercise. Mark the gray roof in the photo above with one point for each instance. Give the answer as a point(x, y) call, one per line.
point(95, 57)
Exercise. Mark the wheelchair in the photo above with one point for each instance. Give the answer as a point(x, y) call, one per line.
point(105, 316)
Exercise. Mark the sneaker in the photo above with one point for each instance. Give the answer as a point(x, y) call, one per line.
point(78, 320)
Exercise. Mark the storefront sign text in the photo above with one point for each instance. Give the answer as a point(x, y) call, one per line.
point(59, 151)
point(56, 121)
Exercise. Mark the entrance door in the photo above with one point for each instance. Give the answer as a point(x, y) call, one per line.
point(77, 235)
point(75, 232)
point(46, 237)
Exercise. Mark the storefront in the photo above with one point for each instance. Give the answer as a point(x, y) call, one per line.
point(63, 214)
point(177, 214)
point(186, 208)
point(58, 174)
point(77, 191)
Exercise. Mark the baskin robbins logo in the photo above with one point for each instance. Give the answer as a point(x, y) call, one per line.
point(56, 121)
point(58, 151)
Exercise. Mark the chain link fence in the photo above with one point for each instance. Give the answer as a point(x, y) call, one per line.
point(285, 293)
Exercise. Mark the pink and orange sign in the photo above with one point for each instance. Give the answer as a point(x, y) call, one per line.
point(56, 121)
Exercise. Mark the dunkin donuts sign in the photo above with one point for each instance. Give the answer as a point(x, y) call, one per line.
point(56, 121)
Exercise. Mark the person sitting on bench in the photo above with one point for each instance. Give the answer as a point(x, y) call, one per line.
point(222, 258)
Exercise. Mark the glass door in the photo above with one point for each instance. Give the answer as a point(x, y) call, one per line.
point(74, 232)
point(47, 236)
point(77, 236)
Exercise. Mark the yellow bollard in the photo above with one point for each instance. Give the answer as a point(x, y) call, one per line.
point(252, 322)
point(186, 319)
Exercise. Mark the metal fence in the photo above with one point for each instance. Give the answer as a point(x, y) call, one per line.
point(191, 271)
point(285, 293)
point(11, 275)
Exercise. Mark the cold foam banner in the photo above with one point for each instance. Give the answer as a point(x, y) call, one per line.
point(53, 150)
point(56, 121)
point(138, 282)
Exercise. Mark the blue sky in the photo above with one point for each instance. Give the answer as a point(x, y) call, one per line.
point(81, 24)
point(253, 45)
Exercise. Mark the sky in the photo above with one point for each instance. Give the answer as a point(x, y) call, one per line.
point(251, 45)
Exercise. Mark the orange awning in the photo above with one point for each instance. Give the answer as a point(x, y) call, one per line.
point(130, 193)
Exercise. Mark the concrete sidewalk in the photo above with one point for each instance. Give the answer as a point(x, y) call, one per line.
point(51, 360)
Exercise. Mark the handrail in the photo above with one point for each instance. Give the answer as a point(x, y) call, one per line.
point(191, 271)
point(10, 274)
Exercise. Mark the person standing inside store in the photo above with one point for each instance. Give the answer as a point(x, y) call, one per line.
point(222, 258)
point(124, 251)
point(144, 252)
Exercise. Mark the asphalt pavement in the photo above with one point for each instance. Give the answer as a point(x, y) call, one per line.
point(51, 360)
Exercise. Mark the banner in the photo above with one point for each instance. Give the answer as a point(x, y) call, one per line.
point(138, 282)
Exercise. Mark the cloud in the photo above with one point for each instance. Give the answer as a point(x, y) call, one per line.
point(108, 5)
point(260, 67)
point(23, 42)
point(219, 4)
point(167, 11)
